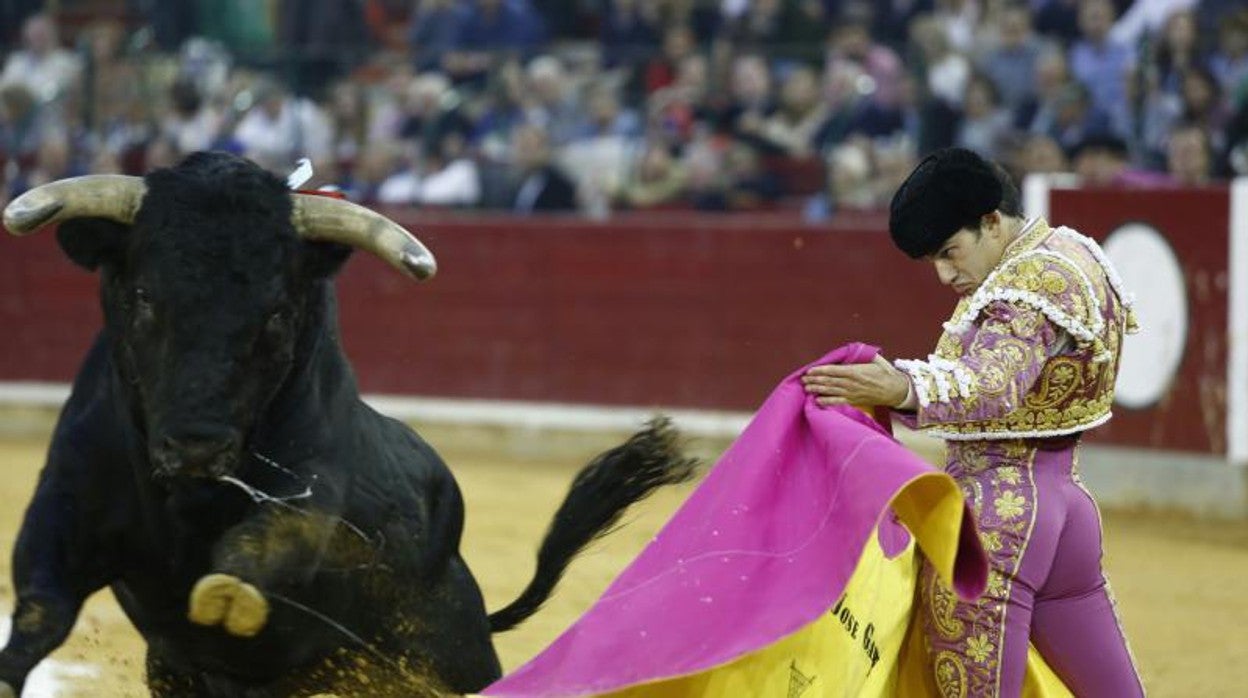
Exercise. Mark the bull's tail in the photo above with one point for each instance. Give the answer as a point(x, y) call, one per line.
point(599, 495)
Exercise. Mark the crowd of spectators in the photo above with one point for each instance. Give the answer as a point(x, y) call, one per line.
point(599, 105)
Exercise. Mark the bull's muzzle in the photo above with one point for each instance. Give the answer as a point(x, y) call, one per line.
point(197, 454)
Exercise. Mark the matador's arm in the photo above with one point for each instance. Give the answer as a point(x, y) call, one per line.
point(1011, 345)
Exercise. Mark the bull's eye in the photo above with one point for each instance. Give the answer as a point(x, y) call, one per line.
point(142, 304)
point(276, 322)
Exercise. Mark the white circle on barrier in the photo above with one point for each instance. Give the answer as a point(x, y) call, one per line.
point(1149, 269)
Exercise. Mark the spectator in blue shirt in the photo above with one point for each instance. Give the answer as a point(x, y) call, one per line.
point(1230, 63)
point(431, 31)
point(630, 31)
point(1210, 14)
point(890, 20)
point(487, 27)
point(1012, 64)
point(1074, 118)
point(1101, 64)
point(1177, 51)
point(1058, 19)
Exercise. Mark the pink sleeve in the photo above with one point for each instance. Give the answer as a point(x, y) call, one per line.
point(1008, 352)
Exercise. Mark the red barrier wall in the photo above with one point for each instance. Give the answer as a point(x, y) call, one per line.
point(678, 309)
point(1192, 416)
point(48, 310)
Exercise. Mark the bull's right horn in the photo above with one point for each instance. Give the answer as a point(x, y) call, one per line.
point(336, 220)
point(115, 197)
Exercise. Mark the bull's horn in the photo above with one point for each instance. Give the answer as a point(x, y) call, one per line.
point(334, 220)
point(116, 197)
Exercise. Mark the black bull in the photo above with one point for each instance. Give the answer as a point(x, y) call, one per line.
point(267, 532)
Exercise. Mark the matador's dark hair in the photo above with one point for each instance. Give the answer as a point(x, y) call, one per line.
point(950, 190)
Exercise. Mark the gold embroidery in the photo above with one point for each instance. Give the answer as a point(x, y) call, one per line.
point(1053, 283)
point(1009, 505)
point(950, 675)
point(1025, 274)
point(979, 648)
point(993, 379)
point(1027, 324)
point(1058, 381)
point(998, 586)
point(942, 606)
point(1007, 491)
point(991, 540)
point(975, 461)
point(1015, 450)
point(1009, 475)
point(1074, 390)
point(948, 346)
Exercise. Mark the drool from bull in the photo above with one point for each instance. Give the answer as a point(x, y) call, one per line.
point(266, 531)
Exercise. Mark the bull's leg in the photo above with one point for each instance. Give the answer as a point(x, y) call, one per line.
point(55, 568)
point(444, 630)
point(164, 681)
point(41, 622)
point(221, 599)
point(274, 548)
point(358, 673)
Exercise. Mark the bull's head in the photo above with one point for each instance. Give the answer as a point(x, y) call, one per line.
point(212, 277)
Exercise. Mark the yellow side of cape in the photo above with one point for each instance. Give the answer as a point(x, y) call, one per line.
point(870, 643)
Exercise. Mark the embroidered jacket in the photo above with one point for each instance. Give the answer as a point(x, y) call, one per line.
point(1033, 352)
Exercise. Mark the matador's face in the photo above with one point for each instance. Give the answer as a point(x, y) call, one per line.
point(969, 256)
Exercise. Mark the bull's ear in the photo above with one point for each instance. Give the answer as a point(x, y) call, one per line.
point(324, 259)
point(90, 242)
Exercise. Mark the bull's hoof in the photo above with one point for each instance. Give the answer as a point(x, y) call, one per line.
point(6, 691)
point(220, 599)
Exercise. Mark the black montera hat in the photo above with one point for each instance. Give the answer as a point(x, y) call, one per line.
point(950, 190)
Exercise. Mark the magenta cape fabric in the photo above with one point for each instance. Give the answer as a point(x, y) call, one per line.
point(764, 546)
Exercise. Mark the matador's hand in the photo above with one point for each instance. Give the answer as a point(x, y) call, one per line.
point(876, 383)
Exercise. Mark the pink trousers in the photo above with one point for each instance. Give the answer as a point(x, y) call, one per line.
point(1042, 532)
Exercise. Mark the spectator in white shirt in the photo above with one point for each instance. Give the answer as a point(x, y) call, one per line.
point(1146, 16)
point(190, 123)
point(42, 65)
point(280, 128)
point(443, 176)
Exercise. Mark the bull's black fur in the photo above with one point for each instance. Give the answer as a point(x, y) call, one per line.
point(220, 359)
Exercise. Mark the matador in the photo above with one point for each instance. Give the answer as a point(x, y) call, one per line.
point(1025, 366)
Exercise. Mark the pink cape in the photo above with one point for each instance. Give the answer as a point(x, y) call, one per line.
point(763, 547)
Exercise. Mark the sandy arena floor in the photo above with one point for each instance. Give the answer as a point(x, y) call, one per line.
point(1179, 583)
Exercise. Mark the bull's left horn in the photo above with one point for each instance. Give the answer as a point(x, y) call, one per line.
point(116, 197)
point(334, 220)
